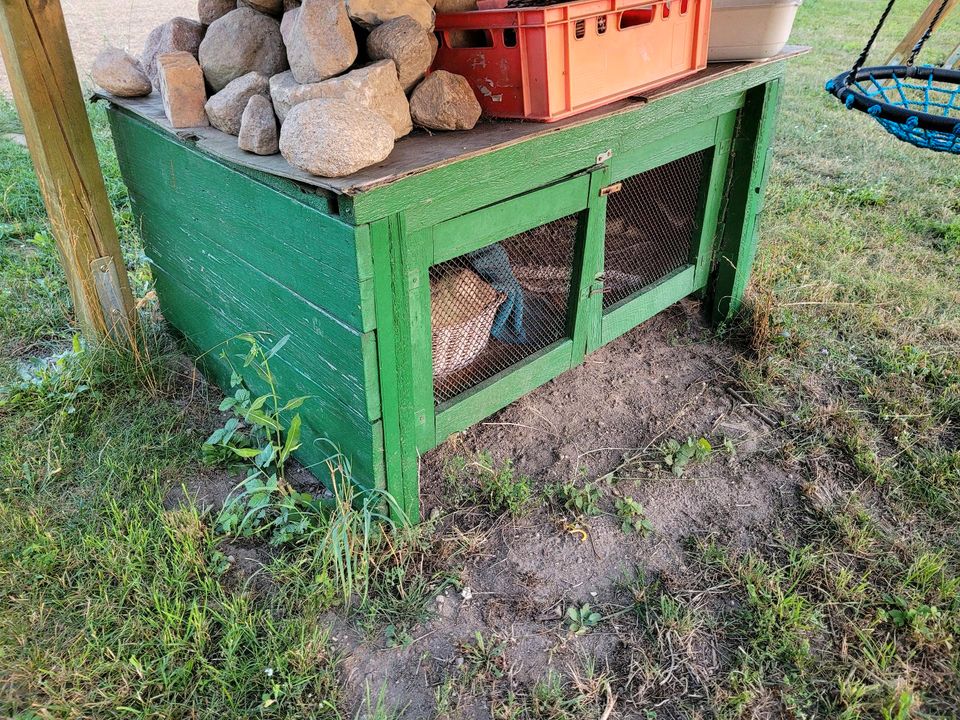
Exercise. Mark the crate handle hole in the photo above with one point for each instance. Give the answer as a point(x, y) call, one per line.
point(468, 38)
point(581, 29)
point(666, 10)
point(601, 24)
point(684, 6)
point(638, 17)
point(510, 37)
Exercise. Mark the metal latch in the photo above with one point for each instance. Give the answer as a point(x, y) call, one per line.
point(611, 189)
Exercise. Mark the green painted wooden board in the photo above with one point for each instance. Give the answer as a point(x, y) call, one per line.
point(209, 331)
point(310, 252)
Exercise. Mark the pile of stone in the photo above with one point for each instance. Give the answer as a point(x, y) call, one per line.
point(330, 84)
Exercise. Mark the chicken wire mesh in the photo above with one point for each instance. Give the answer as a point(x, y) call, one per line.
point(650, 226)
point(498, 305)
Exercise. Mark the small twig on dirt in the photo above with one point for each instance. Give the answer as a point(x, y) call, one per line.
point(611, 701)
point(520, 425)
point(423, 637)
point(593, 546)
point(831, 302)
point(750, 406)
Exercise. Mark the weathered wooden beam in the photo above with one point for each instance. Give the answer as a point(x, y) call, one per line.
point(953, 60)
point(46, 89)
point(905, 47)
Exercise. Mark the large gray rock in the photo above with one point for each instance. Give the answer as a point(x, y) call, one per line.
point(225, 109)
point(287, 22)
point(286, 93)
point(240, 42)
point(374, 87)
point(178, 35)
point(320, 41)
point(258, 128)
point(334, 138)
point(121, 74)
point(445, 101)
point(407, 43)
point(269, 7)
point(370, 13)
point(212, 10)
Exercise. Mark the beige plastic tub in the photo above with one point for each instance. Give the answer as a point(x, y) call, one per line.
point(750, 29)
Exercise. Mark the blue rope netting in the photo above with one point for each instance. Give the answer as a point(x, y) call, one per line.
point(877, 95)
point(910, 94)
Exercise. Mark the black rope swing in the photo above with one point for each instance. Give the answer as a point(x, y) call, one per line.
point(919, 105)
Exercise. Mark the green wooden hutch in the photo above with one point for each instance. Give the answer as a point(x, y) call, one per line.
point(609, 217)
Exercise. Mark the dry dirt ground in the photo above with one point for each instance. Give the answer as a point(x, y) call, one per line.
point(123, 23)
point(525, 573)
point(522, 574)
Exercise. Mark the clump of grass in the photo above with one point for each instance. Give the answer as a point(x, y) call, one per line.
point(481, 480)
point(485, 660)
point(135, 613)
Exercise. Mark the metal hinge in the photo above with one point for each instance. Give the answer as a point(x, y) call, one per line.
point(604, 156)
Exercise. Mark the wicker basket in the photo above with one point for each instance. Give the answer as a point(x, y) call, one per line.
point(462, 310)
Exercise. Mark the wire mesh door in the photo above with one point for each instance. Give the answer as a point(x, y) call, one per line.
point(652, 223)
point(492, 308)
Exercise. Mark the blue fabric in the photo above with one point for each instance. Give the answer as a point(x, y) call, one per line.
point(493, 265)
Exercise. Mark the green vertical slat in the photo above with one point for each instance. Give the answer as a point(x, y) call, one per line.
point(418, 250)
point(713, 198)
point(396, 366)
point(738, 244)
point(588, 266)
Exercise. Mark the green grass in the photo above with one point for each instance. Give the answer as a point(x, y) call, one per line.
point(113, 605)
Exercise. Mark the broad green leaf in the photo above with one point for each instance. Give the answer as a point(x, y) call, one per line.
point(279, 346)
point(263, 420)
point(265, 456)
point(295, 403)
point(293, 437)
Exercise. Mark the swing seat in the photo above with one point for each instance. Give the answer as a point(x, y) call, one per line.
point(919, 105)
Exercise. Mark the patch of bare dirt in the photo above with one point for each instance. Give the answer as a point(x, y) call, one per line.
point(663, 380)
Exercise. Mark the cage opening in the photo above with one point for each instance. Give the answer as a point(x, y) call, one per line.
point(651, 226)
point(496, 306)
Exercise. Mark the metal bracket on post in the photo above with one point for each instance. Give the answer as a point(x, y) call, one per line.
point(107, 281)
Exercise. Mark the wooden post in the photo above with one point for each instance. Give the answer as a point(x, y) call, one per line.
point(46, 89)
point(745, 194)
point(905, 47)
point(954, 59)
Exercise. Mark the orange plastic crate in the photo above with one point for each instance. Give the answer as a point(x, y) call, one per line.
point(548, 63)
